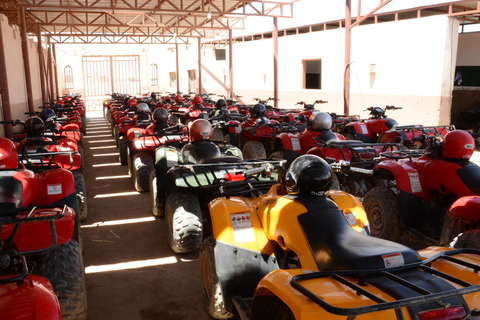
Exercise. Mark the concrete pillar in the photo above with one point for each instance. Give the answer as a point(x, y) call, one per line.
point(346, 85)
point(275, 61)
point(50, 70)
point(230, 62)
point(178, 74)
point(200, 84)
point(7, 113)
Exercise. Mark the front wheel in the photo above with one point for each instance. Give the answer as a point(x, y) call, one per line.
point(63, 267)
point(212, 289)
point(116, 136)
point(254, 150)
point(81, 194)
point(183, 219)
point(123, 148)
point(157, 208)
point(382, 208)
point(142, 166)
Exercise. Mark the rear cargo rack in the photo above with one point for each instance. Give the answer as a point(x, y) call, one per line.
point(212, 176)
point(381, 304)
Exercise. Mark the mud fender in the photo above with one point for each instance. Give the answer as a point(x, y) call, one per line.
point(466, 208)
point(406, 176)
point(166, 157)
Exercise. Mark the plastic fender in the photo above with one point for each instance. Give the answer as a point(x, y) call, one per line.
point(340, 136)
point(331, 153)
point(166, 157)
point(234, 127)
point(466, 208)
point(279, 218)
point(290, 141)
point(456, 270)
point(358, 127)
point(352, 208)
point(229, 150)
point(68, 144)
point(390, 135)
point(149, 143)
point(37, 235)
point(277, 283)
point(403, 173)
point(29, 186)
point(306, 140)
point(33, 299)
point(248, 233)
point(70, 126)
point(134, 132)
point(54, 185)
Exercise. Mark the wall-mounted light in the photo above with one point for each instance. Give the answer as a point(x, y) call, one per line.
point(209, 14)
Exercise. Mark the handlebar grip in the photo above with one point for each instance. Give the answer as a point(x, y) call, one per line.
point(253, 171)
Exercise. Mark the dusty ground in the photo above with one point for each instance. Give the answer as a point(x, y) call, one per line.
point(131, 271)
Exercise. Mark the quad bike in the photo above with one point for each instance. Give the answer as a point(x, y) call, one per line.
point(414, 136)
point(127, 122)
point(141, 152)
point(296, 253)
point(37, 211)
point(184, 181)
point(431, 196)
point(368, 130)
point(226, 124)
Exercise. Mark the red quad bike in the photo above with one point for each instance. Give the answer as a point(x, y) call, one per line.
point(303, 115)
point(68, 115)
point(77, 104)
point(24, 295)
point(140, 118)
point(196, 111)
point(44, 153)
point(368, 130)
point(432, 196)
point(38, 211)
point(119, 112)
point(178, 110)
point(141, 156)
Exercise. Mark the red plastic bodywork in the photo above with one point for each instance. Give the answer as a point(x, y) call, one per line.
point(32, 300)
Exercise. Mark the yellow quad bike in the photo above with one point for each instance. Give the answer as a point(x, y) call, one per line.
point(300, 255)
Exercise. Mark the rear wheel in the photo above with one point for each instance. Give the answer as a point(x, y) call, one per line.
point(63, 267)
point(81, 194)
point(468, 239)
point(212, 289)
point(254, 150)
point(183, 218)
point(123, 146)
point(84, 124)
point(157, 208)
point(277, 155)
point(116, 136)
point(142, 166)
point(381, 206)
point(217, 135)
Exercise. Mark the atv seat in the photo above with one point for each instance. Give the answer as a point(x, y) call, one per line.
point(10, 190)
point(337, 246)
point(199, 151)
point(227, 159)
point(344, 143)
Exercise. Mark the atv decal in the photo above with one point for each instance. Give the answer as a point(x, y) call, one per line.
point(364, 129)
point(415, 181)
point(54, 189)
point(242, 227)
point(350, 216)
point(296, 144)
point(393, 260)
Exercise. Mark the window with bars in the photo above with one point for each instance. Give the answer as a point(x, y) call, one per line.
point(68, 73)
point(312, 74)
point(153, 74)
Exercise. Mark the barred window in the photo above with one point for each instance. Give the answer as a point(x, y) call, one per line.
point(153, 74)
point(68, 72)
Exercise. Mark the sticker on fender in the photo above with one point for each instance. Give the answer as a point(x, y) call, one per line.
point(53, 189)
point(393, 260)
point(415, 181)
point(242, 227)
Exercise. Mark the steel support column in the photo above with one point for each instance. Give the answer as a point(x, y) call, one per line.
point(50, 69)
point(230, 62)
point(275, 61)
point(7, 113)
point(40, 62)
point(200, 86)
point(346, 79)
point(55, 69)
point(26, 60)
point(178, 74)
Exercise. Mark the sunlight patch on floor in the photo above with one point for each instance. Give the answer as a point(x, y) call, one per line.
point(118, 222)
point(118, 194)
point(131, 265)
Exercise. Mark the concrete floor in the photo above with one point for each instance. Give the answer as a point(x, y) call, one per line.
point(130, 270)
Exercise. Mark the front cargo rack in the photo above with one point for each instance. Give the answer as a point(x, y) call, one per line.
point(381, 305)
